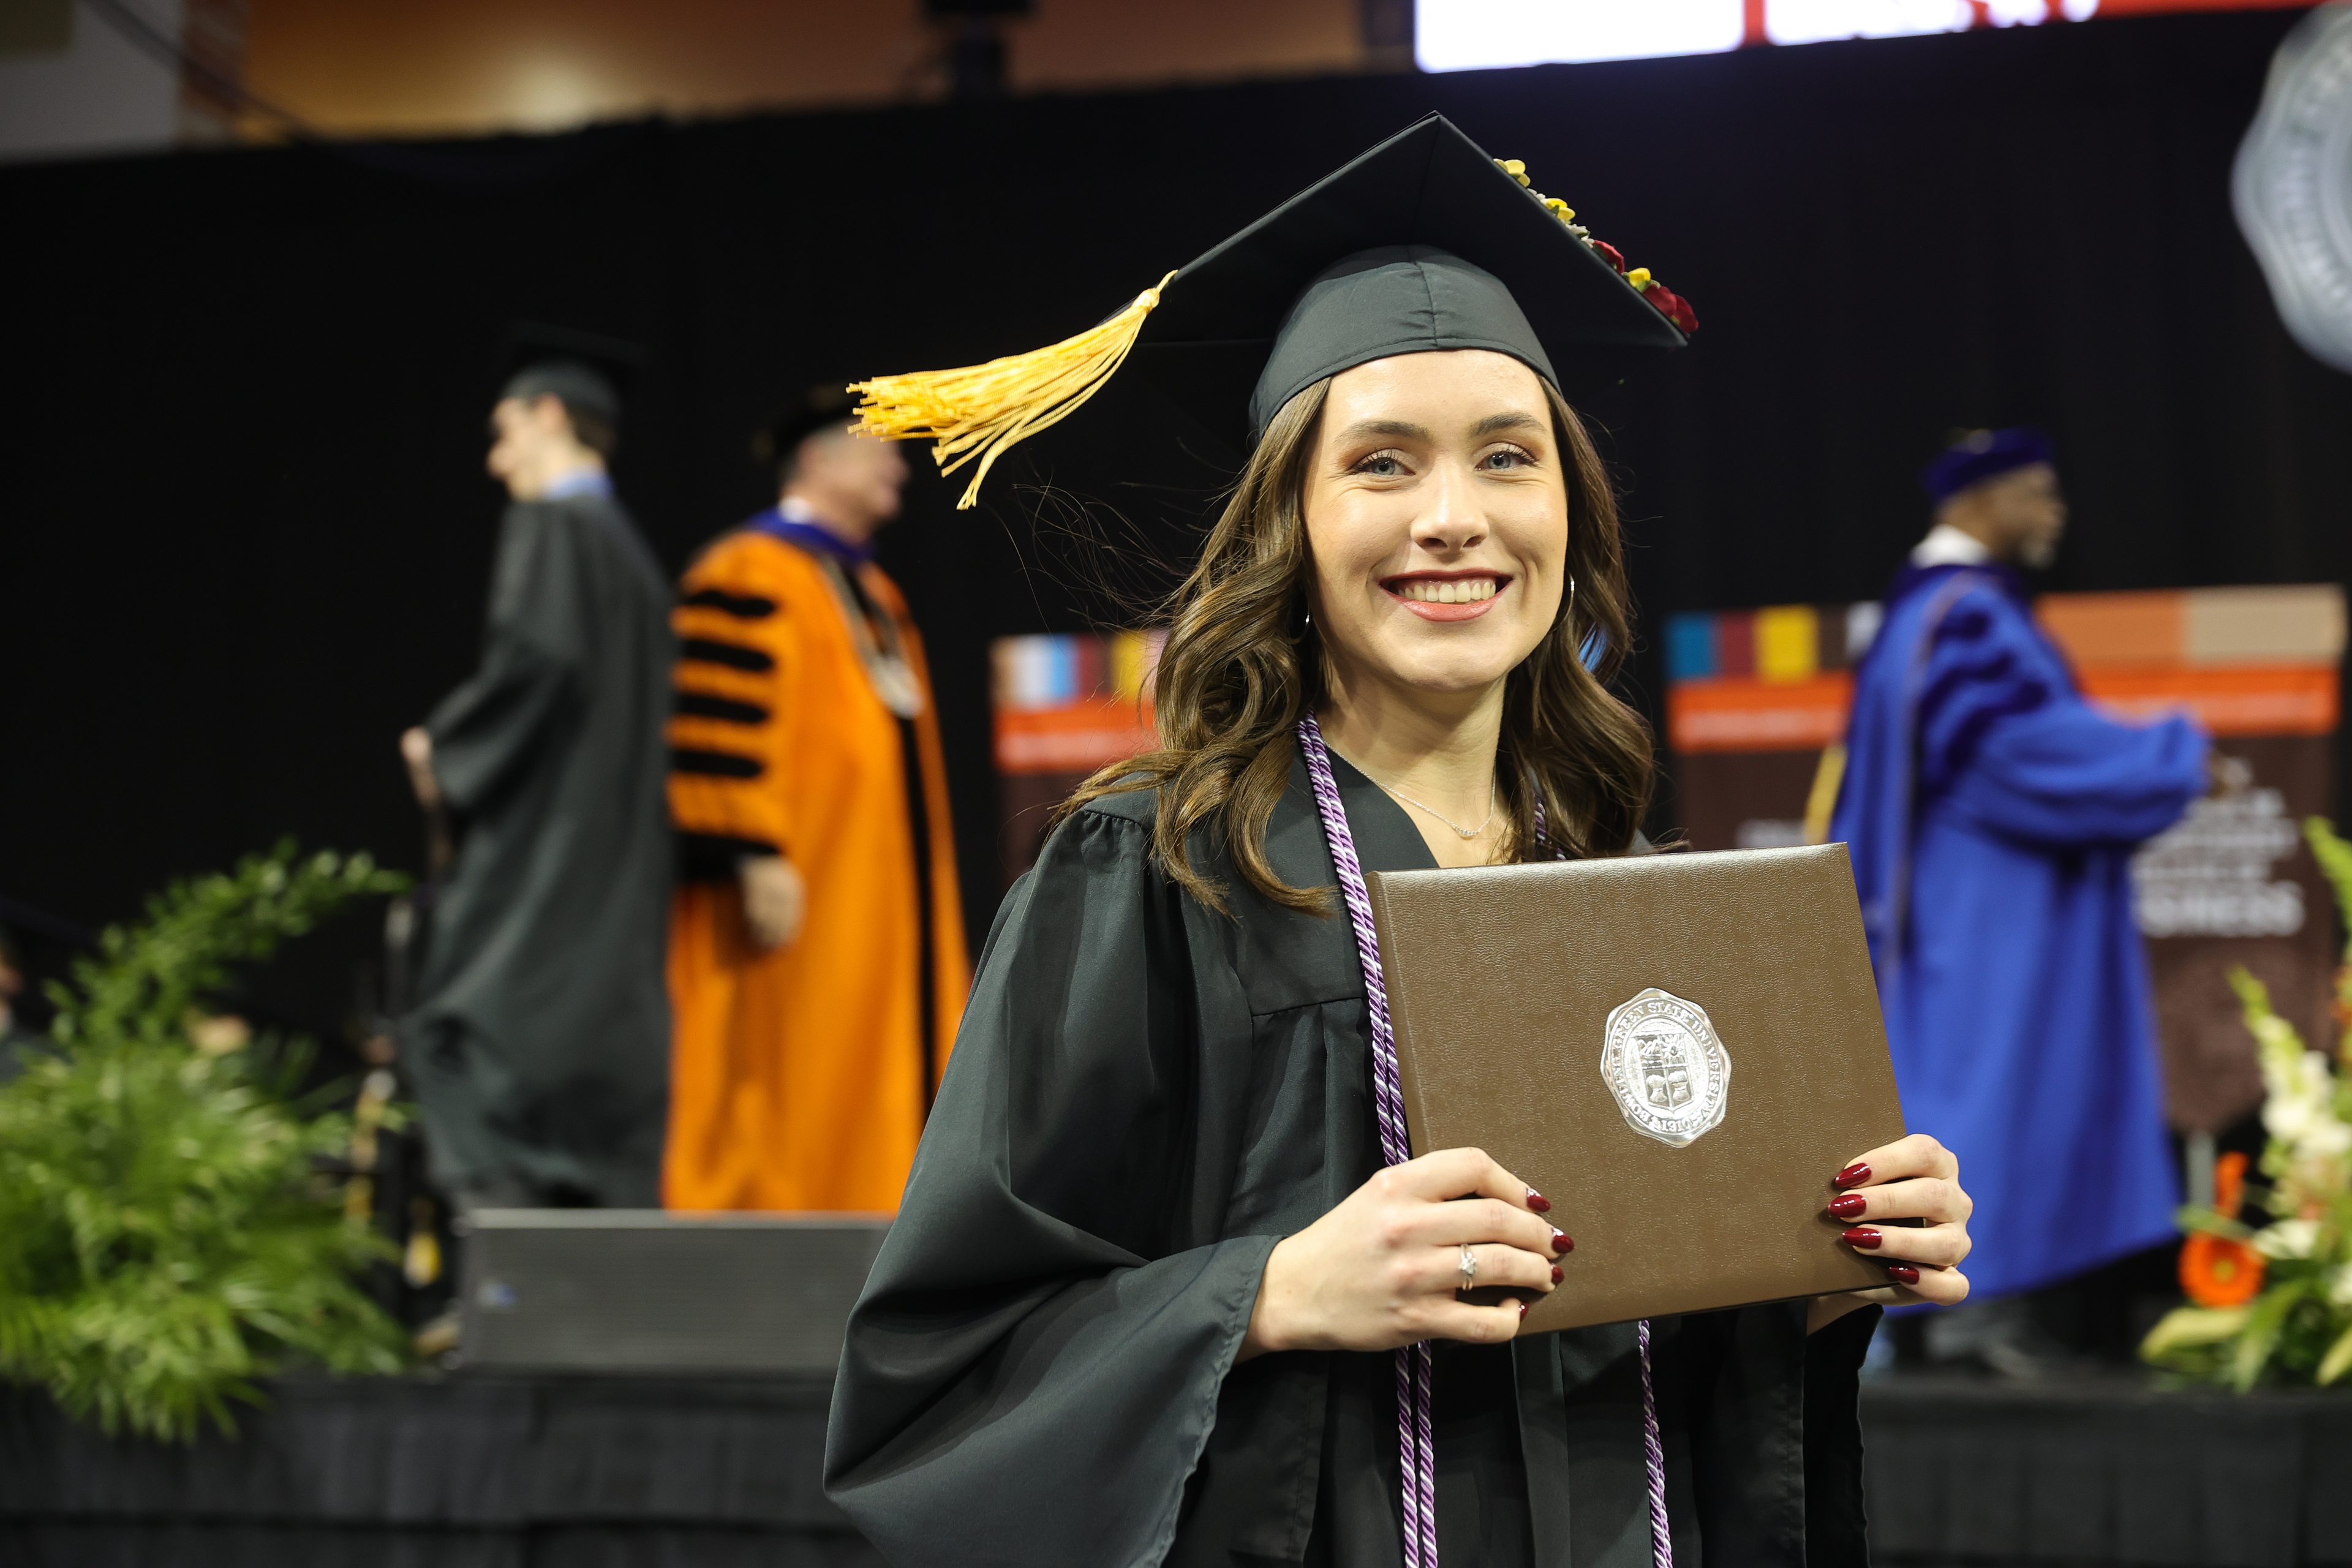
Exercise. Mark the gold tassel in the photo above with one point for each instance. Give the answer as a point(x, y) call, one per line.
point(982, 409)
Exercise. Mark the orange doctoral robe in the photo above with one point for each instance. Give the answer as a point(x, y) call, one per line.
point(800, 1077)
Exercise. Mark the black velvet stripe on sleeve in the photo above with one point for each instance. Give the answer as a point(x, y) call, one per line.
point(714, 764)
point(716, 857)
point(727, 709)
point(734, 656)
point(742, 606)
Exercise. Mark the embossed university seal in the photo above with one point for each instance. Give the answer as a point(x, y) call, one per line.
point(1662, 1058)
point(2292, 185)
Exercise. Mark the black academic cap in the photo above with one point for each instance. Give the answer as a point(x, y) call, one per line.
point(822, 407)
point(1423, 243)
point(587, 372)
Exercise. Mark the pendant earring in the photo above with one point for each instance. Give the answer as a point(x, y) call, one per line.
point(1570, 614)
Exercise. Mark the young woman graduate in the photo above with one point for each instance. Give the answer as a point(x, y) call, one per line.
point(1163, 1284)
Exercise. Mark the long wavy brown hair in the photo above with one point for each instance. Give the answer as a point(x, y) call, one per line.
point(1242, 664)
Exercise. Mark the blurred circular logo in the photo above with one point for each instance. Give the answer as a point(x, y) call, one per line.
point(2292, 188)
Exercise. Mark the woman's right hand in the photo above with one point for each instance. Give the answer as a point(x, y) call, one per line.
point(1383, 1269)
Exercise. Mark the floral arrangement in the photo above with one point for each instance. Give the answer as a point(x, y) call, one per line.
point(2268, 1272)
point(169, 1230)
point(1668, 303)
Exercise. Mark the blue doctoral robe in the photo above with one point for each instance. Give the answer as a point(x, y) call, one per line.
point(1991, 814)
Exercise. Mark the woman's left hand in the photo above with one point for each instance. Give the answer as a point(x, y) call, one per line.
point(1912, 1178)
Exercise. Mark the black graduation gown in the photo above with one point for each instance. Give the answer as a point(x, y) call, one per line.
point(1144, 1098)
point(540, 1048)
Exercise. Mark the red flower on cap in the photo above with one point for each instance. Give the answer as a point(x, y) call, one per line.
point(1669, 304)
point(1672, 307)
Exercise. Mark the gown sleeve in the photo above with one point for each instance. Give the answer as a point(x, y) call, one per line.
point(1033, 1368)
point(730, 735)
point(490, 730)
point(2004, 732)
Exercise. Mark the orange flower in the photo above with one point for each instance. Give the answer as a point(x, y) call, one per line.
point(2219, 1272)
point(2228, 1184)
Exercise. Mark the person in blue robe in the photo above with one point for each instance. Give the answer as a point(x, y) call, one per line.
point(1991, 814)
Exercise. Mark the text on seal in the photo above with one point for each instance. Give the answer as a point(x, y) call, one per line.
point(1662, 1058)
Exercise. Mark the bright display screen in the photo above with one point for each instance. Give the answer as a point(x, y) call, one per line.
point(1478, 35)
point(1471, 35)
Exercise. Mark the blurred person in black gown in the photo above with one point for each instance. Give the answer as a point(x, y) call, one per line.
point(540, 1044)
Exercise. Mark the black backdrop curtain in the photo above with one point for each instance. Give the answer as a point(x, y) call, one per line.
point(247, 532)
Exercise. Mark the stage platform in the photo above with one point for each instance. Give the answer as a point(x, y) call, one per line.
point(507, 1471)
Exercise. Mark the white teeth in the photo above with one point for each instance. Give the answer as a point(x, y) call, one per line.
point(1459, 591)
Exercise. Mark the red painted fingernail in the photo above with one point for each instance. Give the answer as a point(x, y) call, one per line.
point(1904, 1272)
point(1563, 1242)
point(1555, 1274)
point(1853, 1205)
point(1863, 1236)
point(1853, 1175)
point(1538, 1202)
point(1523, 1308)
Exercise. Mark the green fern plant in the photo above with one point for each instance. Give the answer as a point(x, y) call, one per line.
point(167, 1237)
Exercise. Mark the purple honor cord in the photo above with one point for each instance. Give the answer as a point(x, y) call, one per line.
point(1416, 1450)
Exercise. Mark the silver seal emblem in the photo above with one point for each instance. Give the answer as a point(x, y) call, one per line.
point(1662, 1058)
point(2293, 183)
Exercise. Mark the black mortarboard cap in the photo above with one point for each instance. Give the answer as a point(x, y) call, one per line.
point(1423, 243)
point(585, 370)
point(822, 407)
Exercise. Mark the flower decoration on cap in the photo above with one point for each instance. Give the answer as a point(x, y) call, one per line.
point(1666, 303)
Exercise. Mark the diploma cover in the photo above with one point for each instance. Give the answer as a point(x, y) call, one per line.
point(1679, 1050)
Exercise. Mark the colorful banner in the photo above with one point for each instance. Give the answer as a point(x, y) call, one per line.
point(1753, 697)
point(1064, 707)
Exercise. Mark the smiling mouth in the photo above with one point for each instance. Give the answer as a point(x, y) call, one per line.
point(1445, 590)
point(1448, 595)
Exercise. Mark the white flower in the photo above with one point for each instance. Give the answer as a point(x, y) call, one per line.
point(2340, 1285)
point(2311, 1128)
point(2329, 1138)
point(2287, 1238)
point(2300, 1109)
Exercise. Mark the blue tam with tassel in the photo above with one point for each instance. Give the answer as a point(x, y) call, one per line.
point(1982, 455)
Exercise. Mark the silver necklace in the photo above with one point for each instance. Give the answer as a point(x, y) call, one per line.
point(1484, 823)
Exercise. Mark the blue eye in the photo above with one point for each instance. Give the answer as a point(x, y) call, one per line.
point(1381, 465)
point(1505, 458)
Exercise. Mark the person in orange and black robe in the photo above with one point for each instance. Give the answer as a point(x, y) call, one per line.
point(817, 965)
